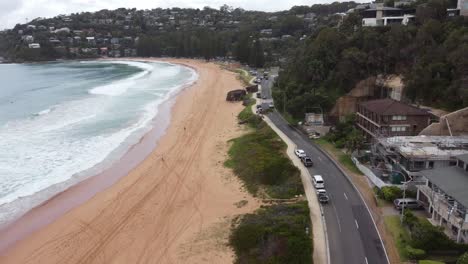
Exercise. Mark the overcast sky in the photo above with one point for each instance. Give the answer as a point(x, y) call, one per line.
point(17, 11)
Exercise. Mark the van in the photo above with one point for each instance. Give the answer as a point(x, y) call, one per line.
point(409, 203)
point(318, 182)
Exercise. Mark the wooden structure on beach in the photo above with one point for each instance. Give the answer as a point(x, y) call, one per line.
point(252, 88)
point(236, 95)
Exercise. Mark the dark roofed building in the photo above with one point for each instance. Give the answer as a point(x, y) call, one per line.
point(236, 95)
point(445, 197)
point(389, 118)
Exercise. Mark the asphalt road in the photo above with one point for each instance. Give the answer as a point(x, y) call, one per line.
point(352, 235)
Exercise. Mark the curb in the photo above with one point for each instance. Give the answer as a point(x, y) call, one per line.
point(318, 227)
point(348, 178)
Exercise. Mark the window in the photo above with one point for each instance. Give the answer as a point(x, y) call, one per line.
point(398, 128)
point(431, 164)
point(398, 117)
point(452, 163)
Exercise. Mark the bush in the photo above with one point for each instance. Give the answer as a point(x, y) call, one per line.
point(414, 253)
point(390, 193)
point(274, 234)
point(463, 259)
point(259, 160)
point(430, 238)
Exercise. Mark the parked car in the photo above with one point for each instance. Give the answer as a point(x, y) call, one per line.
point(307, 161)
point(258, 95)
point(318, 182)
point(409, 203)
point(259, 106)
point(264, 97)
point(271, 105)
point(300, 153)
point(322, 196)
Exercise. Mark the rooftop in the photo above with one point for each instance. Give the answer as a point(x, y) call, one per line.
point(452, 180)
point(389, 106)
point(434, 147)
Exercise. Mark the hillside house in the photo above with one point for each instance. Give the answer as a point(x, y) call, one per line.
point(380, 15)
point(445, 197)
point(389, 118)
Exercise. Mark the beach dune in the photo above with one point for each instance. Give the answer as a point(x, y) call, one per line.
point(174, 207)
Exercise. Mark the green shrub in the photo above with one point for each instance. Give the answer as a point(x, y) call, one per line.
point(274, 234)
point(463, 259)
point(414, 253)
point(429, 237)
point(390, 193)
point(259, 160)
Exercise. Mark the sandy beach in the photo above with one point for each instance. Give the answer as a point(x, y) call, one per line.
point(174, 207)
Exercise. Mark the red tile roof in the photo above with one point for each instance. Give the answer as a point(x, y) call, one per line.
point(389, 106)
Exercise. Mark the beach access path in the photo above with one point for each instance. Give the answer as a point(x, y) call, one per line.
point(175, 207)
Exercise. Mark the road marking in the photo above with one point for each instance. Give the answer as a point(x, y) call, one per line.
point(367, 262)
point(319, 158)
point(336, 214)
point(346, 197)
point(357, 225)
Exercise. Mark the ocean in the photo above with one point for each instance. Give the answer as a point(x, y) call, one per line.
point(63, 122)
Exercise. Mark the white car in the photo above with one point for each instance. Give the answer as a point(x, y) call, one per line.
point(300, 153)
point(271, 105)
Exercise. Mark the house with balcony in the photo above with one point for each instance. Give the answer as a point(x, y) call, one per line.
point(379, 15)
point(445, 197)
point(410, 155)
point(389, 118)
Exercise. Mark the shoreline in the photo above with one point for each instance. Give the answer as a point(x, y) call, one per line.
point(103, 173)
point(80, 192)
point(45, 216)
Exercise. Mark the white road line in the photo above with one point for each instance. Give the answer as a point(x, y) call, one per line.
point(336, 215)
point(357, 225)
point(345, 196)
point(319, 158)
point(367, 262)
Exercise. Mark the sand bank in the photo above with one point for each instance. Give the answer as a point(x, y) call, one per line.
point(174, 207)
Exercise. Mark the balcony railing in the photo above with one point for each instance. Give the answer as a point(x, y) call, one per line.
point(442, 207)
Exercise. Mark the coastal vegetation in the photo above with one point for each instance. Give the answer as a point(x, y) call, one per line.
point(430, 54)
point(260, 161)
point(278, 233)
point(418, 239)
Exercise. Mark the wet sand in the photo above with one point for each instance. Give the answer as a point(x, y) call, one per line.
point(173, 207)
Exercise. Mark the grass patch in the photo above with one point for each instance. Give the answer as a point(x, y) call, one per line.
point(430, 262)
point(248, 116)
point(274, 234)
point(244, 76)
point(400, 235)
point(259, 159)
point(343, 158)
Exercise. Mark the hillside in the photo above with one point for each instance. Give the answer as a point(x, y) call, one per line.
point(250, 37)
point(430, 53)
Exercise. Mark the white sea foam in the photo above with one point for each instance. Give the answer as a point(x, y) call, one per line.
point(52, 151)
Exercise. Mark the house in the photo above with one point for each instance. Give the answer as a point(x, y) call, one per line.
point(103, 51)
point(445, 197)
point(268, 31)
point(462, 5)
point(236, 95)
point(27, 38)
point(64, 30)
point(114, 40)
point(389, 118)
point(32, 27)
point(91, 41)
point(410, 155)
point(380, 15)
point(34, 46)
